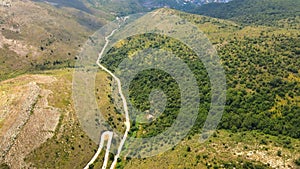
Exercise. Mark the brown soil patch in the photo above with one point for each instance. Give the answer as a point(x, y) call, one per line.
point(27, 120)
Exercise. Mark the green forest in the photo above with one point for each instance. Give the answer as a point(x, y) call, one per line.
point(281, 13)
point(262, 72)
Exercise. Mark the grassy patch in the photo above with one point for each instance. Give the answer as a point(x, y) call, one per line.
point(224, 150)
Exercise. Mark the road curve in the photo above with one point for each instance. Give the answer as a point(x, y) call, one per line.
point(127, 122)
point(108, 134)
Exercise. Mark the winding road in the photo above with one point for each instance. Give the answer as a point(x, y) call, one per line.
point(109, 134)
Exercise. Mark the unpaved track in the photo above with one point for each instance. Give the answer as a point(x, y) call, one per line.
point(127, 122)
point(106, 135)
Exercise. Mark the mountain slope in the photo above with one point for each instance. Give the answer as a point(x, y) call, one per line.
point(262, 69)
point(36, 36)
point(126, 7)
point(282, 13)
point(260, 126)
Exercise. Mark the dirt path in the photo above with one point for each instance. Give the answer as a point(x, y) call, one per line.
point(105, 136)
point(127, 122)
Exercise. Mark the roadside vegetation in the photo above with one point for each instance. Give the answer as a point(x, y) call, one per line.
point(262, 69)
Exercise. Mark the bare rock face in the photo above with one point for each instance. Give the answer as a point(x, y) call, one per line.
point(26, 119)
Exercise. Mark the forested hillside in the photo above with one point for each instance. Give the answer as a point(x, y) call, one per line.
point(262, 69)
point(282, 13)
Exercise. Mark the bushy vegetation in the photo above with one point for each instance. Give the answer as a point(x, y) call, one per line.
point(262, 12)
point(262, 75)
point(224, 150)
point(148, 80)
point(258, 74)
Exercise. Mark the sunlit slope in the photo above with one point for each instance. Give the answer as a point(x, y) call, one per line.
point(37, 36)
point(40, 106)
